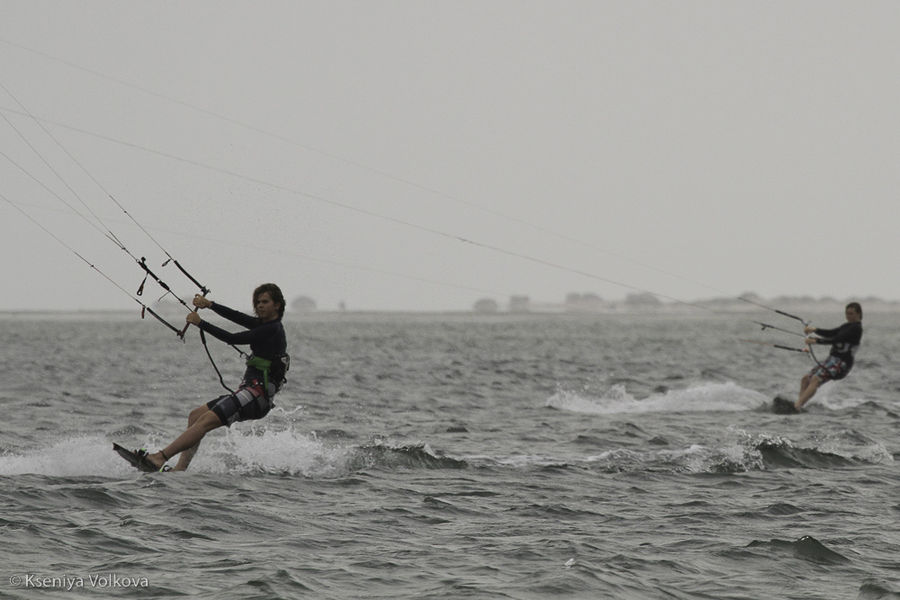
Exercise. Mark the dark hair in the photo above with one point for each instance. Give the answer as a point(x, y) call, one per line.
point(274, 293)
point(855, 306)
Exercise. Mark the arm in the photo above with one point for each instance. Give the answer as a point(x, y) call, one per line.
point(838, 335)
point(825, 332)
point(242, 319)
point(250, 336)
point(235, 316)
point(244, 337)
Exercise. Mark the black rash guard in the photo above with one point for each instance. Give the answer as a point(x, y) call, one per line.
point(844, 340)
point(266, 340)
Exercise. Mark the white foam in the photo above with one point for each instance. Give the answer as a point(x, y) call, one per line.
point(268, 451)
point(704, 397)
point(237, 452)
point(68, 457)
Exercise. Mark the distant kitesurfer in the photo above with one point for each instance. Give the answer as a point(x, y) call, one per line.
point(844, 342)
point(262, 379)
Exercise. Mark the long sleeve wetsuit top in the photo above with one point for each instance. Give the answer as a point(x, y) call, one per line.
point(844, 340)
point(266, 340)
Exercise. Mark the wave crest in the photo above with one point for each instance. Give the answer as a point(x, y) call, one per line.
point(703, 397)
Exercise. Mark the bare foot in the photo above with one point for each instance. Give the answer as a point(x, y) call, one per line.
point(157, 459)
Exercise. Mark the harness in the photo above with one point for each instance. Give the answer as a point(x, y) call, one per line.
point(264, 365)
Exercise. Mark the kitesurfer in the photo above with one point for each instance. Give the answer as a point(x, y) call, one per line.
point(844, 342)
point(262, 379)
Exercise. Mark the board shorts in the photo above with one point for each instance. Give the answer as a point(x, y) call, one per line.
point(246, 404)
point(832, 369)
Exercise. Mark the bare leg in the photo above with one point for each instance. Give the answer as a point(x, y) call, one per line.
point(200, 422)
point(808, 387)
point(184, 459)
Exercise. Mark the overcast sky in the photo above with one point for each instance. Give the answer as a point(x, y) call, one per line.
point(423, 155)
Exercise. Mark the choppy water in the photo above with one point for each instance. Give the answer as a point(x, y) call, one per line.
point(452, 457)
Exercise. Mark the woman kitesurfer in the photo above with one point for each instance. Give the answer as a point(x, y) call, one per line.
point(844, 342)
point(262, 379)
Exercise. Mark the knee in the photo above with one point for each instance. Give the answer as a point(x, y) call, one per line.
point(196, 414)
point(208, 421)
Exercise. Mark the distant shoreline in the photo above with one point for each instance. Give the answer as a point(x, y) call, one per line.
point(714, 307)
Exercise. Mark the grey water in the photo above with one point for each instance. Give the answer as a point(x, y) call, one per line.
point(452, 456)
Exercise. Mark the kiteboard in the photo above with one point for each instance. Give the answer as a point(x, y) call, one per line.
point(134, 459)
point(783, 406)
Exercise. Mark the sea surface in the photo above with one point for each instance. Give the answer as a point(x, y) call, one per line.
point(452, 456)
